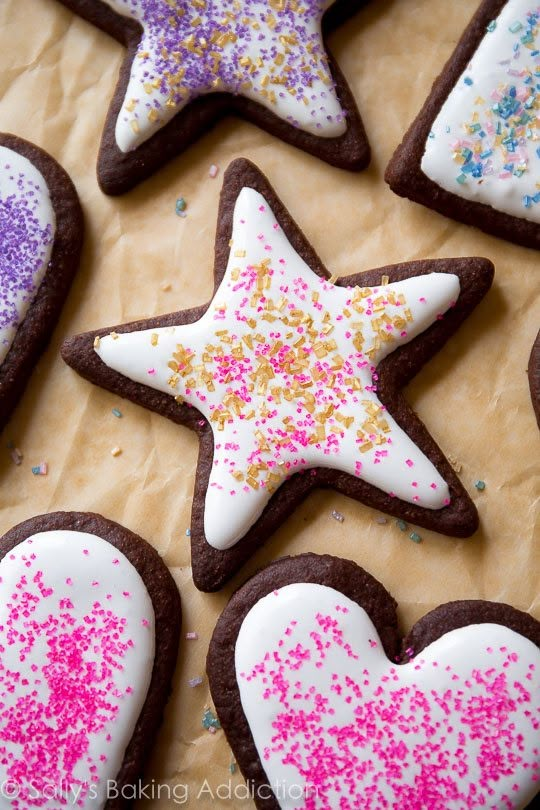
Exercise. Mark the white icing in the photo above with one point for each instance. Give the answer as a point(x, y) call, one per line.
point(42, 636)
point(501, 61)
point(18, 177)
point(314, 108)
point(321, 694)
point(392, 462)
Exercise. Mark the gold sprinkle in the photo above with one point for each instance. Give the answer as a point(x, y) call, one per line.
point(154, 338)
point(97, 341)
point(116, 451)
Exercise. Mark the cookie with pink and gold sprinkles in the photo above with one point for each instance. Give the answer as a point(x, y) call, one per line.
point(326, 708)
point(41, 228)
point(89, 633)
point(191, 62)
point(292, 378)
point(473, 152)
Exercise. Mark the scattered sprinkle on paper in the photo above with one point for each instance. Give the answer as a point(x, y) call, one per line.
point(15, 453)
point(180, 207)
point(210, 721)
point(455, 464)
point(480, 485)
point(188, 532)
point(116, 451)
point(117, 413)
point(41, 469)
point(213, 171)
point(415, 537)
point(195, 681)
point(402, 526)
point(381, 520)
point(338, 516)
point(192, 636)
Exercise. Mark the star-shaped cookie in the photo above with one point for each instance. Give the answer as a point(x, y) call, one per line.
point(191, 62)
point(292, 379)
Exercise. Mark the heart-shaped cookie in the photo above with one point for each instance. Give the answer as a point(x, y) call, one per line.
point(89, 629)
point(303, 673)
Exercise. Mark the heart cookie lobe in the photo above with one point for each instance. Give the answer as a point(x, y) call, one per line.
point(78, 661)
point(336, 723)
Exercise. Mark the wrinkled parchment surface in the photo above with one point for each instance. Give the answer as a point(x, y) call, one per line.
point(57, 76)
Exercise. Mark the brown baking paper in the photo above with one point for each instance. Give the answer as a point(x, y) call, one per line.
point(58, 75)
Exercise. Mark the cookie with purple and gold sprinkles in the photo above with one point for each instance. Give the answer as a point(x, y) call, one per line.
point(41, 230)
point(189, 63)
point(292, 379)
point(473, 152)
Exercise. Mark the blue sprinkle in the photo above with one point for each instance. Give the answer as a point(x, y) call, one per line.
point(180, 207)
point(480, 485)
point(492, 26)
point(402, 526)
point(36, 470)
point(117, 413)
point(461, 178)
point(538, 152)
point(415, 537)
point(515, 27)
point(527, 201)
point(209, 720)
point(468, 80)
point(188, 532)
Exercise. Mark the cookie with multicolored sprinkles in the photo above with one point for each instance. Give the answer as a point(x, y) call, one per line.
point(190, 63)
point(534, 377)
point(473, 152)
point(41, 231)
point(292, 379)
point(89, 633)
point(325, 707)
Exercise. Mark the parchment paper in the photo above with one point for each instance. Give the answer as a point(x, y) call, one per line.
point(56, 79)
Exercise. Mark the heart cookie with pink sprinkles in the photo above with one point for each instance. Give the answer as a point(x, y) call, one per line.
point(89, 631)
point(326, 710)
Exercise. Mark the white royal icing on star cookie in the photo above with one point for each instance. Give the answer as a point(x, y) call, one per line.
point(77, 652)
point(269, 52)
point(485, 142)
point(337, 725)
point(283, 366)
point(27, 227)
